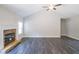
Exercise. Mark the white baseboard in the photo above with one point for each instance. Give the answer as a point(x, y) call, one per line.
point(63, 35)
point(44, 36)
point(71, 37)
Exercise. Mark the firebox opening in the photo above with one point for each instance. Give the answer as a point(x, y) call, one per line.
point(9, 36)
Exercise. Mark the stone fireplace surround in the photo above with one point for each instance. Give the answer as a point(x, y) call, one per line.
point(7, 27)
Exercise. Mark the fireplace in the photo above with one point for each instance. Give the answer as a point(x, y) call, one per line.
point(9, 36)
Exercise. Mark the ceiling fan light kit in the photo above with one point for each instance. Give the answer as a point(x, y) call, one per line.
point(51, 7)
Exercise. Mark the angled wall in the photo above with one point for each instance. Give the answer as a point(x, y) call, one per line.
point(42, 24)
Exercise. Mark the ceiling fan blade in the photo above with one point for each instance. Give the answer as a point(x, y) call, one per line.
point(54, 8)
point(58, 5)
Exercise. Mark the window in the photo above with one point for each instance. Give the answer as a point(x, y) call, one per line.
point(20, 24)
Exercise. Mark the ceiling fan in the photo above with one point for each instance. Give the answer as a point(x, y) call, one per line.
point(51, 7)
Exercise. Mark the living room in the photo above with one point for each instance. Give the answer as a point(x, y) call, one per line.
point(44, 25)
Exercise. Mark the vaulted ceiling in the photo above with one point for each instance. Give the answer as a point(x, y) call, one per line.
point(23, 10)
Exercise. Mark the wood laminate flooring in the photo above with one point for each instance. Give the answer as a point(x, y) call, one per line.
point(46, 46)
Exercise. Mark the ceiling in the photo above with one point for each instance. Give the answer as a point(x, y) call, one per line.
point(24, 10)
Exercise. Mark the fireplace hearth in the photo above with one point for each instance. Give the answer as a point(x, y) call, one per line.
point(9, 36)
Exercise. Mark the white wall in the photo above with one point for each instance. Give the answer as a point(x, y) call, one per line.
point(73, 27)
point(7, 17)
point(7, 20)
point(43, 24)
point(63, 27)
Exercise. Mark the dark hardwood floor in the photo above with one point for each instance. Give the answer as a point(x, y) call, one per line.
point(46, 46)
point(71, 44)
